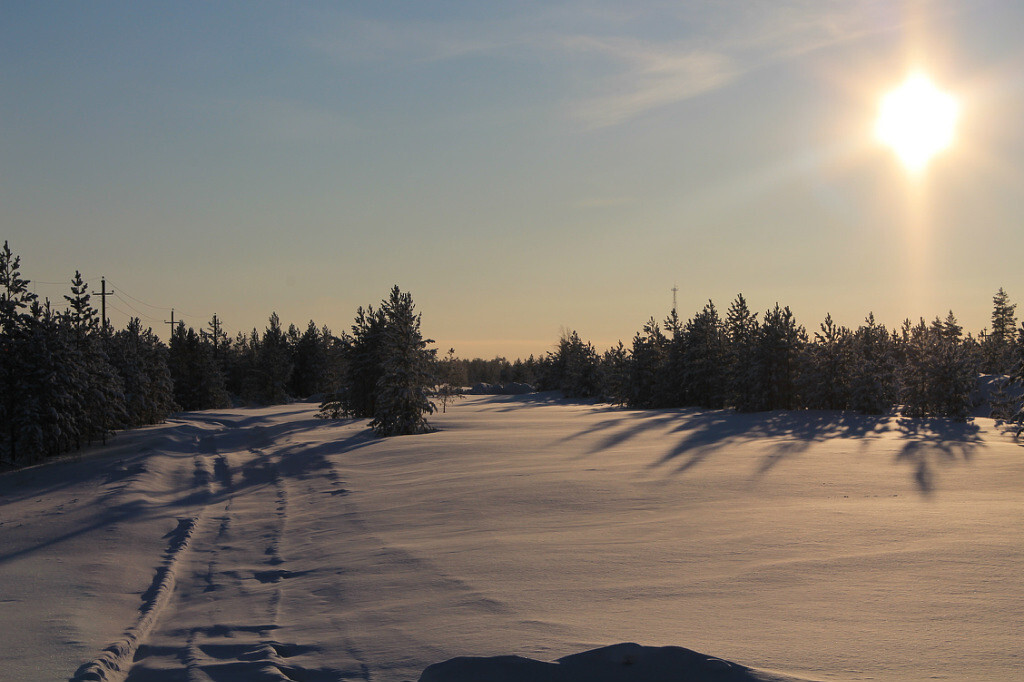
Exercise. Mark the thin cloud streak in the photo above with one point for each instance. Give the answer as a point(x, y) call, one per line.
point(651, 76)
point(613, 76)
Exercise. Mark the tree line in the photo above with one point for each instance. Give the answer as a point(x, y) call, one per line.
point(753, 363)
point(68, 380)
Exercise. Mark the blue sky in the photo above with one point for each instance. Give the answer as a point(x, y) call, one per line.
point(521, 168)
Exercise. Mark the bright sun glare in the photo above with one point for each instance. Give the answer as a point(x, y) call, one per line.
point(917, 121)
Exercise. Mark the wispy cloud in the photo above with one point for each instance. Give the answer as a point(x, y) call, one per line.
point(645, 76)
point(618, 64)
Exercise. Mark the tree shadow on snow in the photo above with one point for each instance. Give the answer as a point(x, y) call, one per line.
point(694, 435)
point(935, 441)
point(113, 471)
point(697, 434)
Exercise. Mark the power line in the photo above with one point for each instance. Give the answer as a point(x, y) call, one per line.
point(139, 312)
point(138, 300)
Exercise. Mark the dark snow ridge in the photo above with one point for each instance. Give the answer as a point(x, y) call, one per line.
point(113, 663)
point(617, 663)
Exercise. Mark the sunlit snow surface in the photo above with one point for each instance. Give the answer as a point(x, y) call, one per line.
point(266, 544)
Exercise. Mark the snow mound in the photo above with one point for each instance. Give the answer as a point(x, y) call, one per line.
point(625, 662)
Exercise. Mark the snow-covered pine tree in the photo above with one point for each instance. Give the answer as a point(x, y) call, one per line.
point(160, 399)
point(873, 387)
point(953, 373)
point(363, 366)
point(938, 374)
point(998, 346)
point(741, 331)
point(824, 382)
point(101, 391)
point(403, 390)
point(775, 361)
point(16, 331)
point(52, 416)
point(1016, 380)
point(703, 359)
point(647, 368)
point(124, 351)
point(573, 367)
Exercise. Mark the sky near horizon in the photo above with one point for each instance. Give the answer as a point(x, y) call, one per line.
point(521, 168)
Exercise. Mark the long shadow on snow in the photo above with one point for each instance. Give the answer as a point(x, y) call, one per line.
point(935, 440)
point(509, 403)
point(703, 432)
point(296, 461)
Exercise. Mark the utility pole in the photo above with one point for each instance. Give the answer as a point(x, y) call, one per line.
point(172, 325)
point(103, 293)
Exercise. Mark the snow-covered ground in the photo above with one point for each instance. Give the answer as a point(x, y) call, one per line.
point(266, 544)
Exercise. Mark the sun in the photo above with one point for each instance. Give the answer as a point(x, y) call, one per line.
point(917, 120)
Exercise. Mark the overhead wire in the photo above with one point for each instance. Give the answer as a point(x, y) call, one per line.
point(149, 305)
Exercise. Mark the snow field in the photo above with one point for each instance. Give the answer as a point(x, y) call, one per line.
point(820, 545)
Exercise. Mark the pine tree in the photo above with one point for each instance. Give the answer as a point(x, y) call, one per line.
point(938, 374)
point(101, 391)
point(199, 382)
point(311, 373)
point(873, 386)
point(403, 389)
point(825, 383)
point(614, 372)
point(448, 387)
point(648, 367)
point(273, 364)
point(703, 359)
point(776, 360)
point(363, 355)
point(573, 367)
point(16, 336)
point(998, 346)
point(741, 331)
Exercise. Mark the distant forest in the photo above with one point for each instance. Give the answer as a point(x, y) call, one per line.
point(69, 380)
